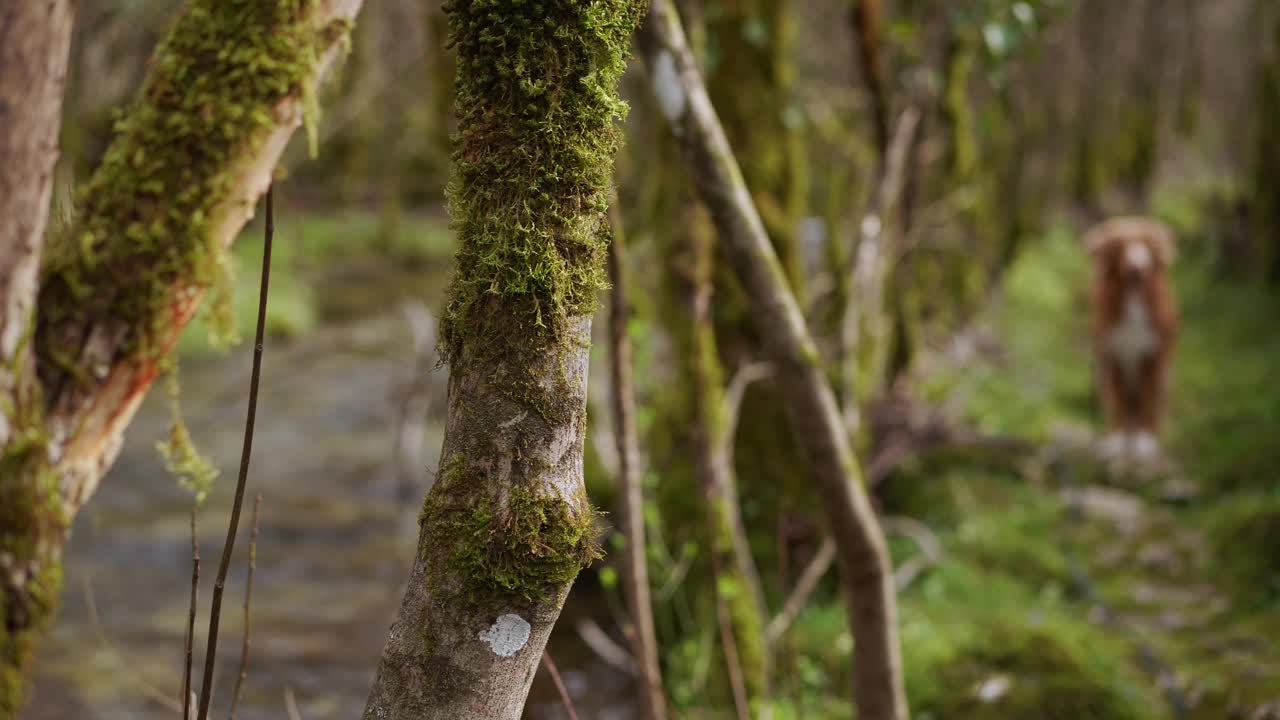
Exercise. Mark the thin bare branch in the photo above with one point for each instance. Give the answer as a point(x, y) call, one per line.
point(799, 596)
point(930, 555)
point(191, 620)
point(599, 642)
point(742, 379)
point(291, 705)
point(869, 266)
point(925, 539)
point(246, 452)
point(248, 599)
point(733, 663)
point(636, 577)
point(560, 688)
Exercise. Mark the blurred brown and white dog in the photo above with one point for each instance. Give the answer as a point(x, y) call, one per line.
point(1135, 322)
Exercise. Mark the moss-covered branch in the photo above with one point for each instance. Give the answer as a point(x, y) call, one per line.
point(507, 526)
point(226, 90)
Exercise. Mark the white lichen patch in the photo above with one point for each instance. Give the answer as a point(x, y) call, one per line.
point(667, 87)
point(507, 635)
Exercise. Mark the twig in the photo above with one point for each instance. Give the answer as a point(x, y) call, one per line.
point(745, 375)
point(248, 597)
point(291, 705)
point(555, 678)
point(805, 586)
point(151, 691)
point(599, 642)
point(191, 620)
point(869, 265)
point(636, 577)
point(903, 576)
point(731, 659)
point(215, 610)
point(930, 548)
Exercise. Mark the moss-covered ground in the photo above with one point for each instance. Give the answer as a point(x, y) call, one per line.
point(1067, 592)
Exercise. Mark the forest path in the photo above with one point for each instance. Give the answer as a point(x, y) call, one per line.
point(1182, 567)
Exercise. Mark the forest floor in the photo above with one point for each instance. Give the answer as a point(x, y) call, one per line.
point(1067, 591)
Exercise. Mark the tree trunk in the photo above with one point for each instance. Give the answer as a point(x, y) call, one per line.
point(736, 581)
point(507, 526)
point(180, 179)
point(34, 42)
point(878, 688)
point(635, 578)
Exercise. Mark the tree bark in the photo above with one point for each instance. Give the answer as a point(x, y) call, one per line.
point(179, 180)
point(35, 39)
point(644, 640)
point(867, 22)
point(736, 581)
point(507, 526)
point(878, 687)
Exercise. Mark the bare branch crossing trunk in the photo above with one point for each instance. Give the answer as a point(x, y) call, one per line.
point(506, 527)
point(864, 560)
point(635, 579)
point(178, 181)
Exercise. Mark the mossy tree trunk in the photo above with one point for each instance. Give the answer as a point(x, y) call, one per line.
point(735, 579)
point(507, 526)
point(180, 178)
point(868, 582)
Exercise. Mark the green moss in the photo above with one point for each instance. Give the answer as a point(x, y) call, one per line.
point(182, 458)
point(1047, 672)
point(536, 103)
point(148, 212)
point(524, 547)
point(1245, 531)
point(32, 525)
